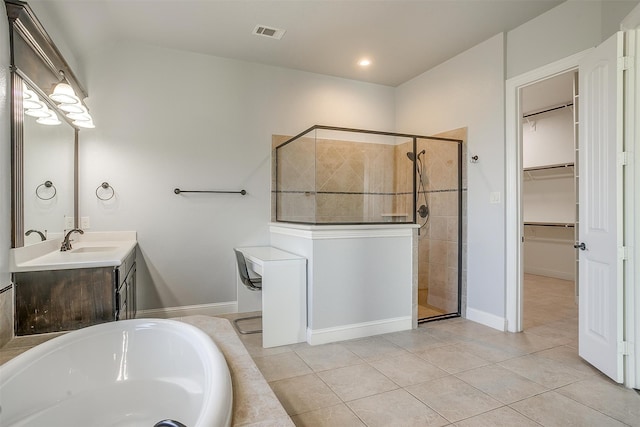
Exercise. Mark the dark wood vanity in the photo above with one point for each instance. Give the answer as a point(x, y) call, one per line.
point(64, 300)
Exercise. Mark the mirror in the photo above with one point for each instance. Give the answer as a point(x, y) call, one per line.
point(48, 177)
point(44, 158)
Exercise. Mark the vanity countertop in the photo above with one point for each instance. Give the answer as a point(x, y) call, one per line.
point(91, 249)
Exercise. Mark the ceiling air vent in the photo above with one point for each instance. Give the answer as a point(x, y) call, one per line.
point(272, 33)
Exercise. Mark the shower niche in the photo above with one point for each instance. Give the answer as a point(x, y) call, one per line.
point(331, 176)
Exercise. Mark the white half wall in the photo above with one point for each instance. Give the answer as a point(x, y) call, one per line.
point(359, 278)
point(468, 91)
point(170, 119)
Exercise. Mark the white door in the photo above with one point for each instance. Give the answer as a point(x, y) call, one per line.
point(600, 208)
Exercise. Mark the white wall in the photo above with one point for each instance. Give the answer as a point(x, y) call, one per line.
point(168, 119)
point(468, 91)
point(547, 139)
point(569, 28)
point(6, 298)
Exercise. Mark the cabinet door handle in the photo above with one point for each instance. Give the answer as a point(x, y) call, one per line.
point(580, 246)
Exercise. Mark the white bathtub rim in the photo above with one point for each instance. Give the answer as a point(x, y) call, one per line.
point(212, 403)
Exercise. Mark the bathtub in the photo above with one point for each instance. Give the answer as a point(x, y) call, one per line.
point(128, 373)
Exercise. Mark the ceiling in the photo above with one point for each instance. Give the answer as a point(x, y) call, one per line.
point(402, 38)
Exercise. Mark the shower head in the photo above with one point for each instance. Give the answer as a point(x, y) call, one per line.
point(412, 157)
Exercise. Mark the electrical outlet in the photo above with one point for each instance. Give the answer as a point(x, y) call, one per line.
point(494, 197)
point(68, 222)
point(84, 222)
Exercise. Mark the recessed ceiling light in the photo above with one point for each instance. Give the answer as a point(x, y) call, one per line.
point(364, 62)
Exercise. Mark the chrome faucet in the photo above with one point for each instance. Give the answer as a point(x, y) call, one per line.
point(66, 243)
point(42, 236)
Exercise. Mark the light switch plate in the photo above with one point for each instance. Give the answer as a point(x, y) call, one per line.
point(495, 197)
point(68, 222)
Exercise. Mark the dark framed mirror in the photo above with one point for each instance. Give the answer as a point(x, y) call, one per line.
point(44, 156)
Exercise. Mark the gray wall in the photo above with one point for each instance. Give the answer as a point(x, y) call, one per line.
point(167, 119)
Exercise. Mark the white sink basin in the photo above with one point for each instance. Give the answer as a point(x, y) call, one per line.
point(86, 249)
point(90, 250)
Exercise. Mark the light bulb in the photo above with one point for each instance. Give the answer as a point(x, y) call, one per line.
point(64, 94)
point(88, 124)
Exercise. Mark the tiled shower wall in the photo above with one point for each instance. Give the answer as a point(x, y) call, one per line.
point(438, 239)
point(325, 181)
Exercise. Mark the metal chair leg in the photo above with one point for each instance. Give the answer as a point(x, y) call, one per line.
point(244, 332)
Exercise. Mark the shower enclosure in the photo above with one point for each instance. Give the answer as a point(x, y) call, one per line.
point(340, 176)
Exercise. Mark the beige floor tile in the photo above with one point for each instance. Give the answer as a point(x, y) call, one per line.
point(408, 369)
point(522, 342)
point(280, 366)
point(501, 384)
point(612, 399)
point(253, 344)
point(395, 408)
point(453, 398)
point(303, 394)
point(328, 356)
point(489, 352)
point(468, 329)
point(568, 356)
point(452, 359)
point(416, 340)
point(548, 330)
point(355, 382)
point(555, 410)
point(501, 417)
point(546, 372)
point(373, 348)
point(332, 416)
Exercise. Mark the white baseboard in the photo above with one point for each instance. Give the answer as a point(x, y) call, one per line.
point(213, 309)
point(550, 273)
point(358, 330)
point(487, 319)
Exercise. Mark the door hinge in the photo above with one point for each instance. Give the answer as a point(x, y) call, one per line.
point(625, 348)
point(623, 158)
point(622, 253)
point(625, 63)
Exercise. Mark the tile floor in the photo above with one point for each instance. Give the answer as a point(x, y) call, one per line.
point(453, 373)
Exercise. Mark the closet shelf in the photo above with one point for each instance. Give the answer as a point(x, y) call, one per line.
point(563, 170)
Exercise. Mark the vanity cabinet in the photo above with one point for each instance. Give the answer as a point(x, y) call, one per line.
point(63, 300)
point(125, 301)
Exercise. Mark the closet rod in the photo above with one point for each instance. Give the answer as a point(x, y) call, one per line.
point(550, 224)
point(548, 110)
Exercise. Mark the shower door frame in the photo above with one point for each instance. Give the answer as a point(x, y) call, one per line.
point(414, 139)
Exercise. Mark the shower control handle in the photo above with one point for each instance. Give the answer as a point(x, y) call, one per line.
point(580, 246)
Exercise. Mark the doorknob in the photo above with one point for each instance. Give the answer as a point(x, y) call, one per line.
point(581, 246)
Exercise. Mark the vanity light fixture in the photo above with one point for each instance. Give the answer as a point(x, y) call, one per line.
point(87, 124)
point(69, 102)
point(63, 93)
point(35, 108)
point(51, 120)
point(42, 111)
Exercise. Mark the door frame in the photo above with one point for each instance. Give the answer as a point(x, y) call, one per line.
point(513, 182)
point(513, 202)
